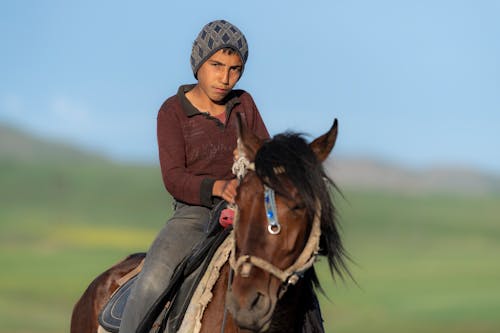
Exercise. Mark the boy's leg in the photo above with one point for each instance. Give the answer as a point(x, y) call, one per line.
point(175, 241)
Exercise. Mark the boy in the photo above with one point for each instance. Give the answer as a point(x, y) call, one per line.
point(196, 137)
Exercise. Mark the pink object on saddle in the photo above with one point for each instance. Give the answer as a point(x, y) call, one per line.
point(226, 217)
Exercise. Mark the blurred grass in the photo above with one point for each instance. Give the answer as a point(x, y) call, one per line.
point(424, 263)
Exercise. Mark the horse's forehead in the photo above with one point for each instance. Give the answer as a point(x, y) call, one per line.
point(253, 185)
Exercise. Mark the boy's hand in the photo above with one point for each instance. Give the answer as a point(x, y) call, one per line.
point(226, 189)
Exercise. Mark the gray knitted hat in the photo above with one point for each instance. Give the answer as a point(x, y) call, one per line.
point(214, 36)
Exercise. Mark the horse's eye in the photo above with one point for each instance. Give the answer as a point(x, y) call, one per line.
point(298, 206)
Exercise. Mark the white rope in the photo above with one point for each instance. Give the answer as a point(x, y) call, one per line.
point(240, 167)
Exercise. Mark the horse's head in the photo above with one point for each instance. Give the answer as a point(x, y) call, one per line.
point(284, 206)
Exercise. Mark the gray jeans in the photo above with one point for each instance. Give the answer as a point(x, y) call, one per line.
point(174, 242)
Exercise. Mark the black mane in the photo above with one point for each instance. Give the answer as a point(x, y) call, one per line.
point(301, 167)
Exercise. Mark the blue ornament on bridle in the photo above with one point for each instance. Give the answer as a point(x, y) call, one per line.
point(240, 168)
point(273, 225)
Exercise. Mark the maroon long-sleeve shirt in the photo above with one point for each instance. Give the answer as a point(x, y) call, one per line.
point(196, 149)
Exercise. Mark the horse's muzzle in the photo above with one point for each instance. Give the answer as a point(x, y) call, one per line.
point(252, 311)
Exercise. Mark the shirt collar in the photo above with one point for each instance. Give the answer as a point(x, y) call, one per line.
point(190, 110)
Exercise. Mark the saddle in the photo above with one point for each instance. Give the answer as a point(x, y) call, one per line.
point(168, 311)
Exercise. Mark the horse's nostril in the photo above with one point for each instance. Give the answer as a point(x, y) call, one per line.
point(256, 300)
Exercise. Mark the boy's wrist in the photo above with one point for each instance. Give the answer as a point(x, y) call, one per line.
point(218, 188)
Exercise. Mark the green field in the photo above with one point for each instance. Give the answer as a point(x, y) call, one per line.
point(423, 263)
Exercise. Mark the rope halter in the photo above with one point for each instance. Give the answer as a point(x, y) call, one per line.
point(241, 166)
point(291, 275)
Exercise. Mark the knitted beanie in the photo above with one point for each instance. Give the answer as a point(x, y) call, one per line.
point(214, 36)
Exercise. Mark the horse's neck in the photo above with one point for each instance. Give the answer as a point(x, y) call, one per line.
point(290, 310)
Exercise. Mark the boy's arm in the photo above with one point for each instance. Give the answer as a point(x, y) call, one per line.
point(181, 184)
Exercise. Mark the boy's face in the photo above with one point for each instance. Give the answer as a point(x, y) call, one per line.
point(218, 75)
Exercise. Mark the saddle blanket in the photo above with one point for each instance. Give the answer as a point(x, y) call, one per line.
point(109, 320)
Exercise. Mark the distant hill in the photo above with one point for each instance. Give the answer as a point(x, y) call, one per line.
point(361, 173)
point(44, 182)
point(16, 145)
point(355, 173)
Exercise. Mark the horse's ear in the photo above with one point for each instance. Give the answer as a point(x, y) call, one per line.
point(248, 142)
point(323, 145)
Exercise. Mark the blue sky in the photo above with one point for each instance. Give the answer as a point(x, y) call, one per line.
point(412, 82)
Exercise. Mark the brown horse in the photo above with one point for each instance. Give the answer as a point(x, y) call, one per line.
point(285, 218)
